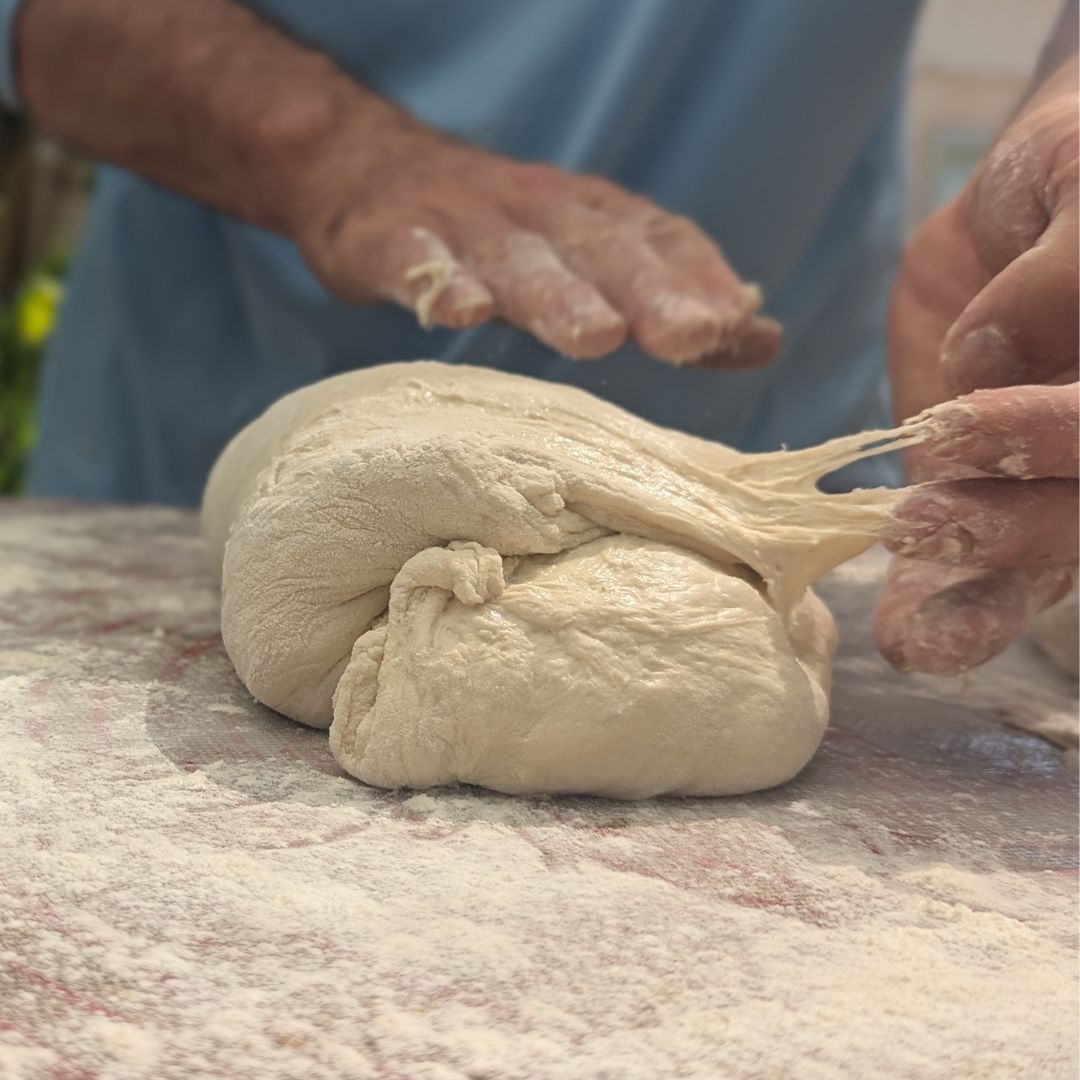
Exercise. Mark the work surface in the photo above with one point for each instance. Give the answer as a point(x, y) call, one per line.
point(189, 887)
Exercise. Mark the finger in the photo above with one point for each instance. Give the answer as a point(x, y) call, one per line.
point(680, 243)
point(908, 583)
point(665, 312)
point(413, 266)
point(1021, 211)
point(603, 233)
point(440, 289)
point(746, 340)
point(1028, 178)
point(988, 523)
point(1021, 431)
point(944, 621)
point(534, 290)
point(1022, 326)
point(757, 342)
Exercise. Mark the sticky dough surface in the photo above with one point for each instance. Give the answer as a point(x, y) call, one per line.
point(478, 577)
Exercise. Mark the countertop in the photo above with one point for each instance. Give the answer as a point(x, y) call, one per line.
point(190, 887)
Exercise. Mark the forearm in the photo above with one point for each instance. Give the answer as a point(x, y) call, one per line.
point(202, 96)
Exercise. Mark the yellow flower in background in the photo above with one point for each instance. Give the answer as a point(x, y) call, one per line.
point(36, 311)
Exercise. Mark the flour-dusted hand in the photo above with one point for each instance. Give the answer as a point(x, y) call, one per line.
point(983, 552)
point(1014, 499)
point(461, 235)
point(384, 207)
point(987, 301)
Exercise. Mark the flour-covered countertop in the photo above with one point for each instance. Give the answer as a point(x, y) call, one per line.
point(189, 887)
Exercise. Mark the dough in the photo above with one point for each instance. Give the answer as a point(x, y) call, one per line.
point(479, 577)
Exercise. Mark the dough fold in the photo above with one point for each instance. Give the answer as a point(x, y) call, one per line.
point(477, 577)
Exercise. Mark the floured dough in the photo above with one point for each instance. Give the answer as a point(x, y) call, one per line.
point(474, 576)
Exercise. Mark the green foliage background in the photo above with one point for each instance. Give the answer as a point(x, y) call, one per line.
point(20, 365)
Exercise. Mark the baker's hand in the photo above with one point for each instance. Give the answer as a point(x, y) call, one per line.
point(382, 206)
point(987, 300)
point(460, 235)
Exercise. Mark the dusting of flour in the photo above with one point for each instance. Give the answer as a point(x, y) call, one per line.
point(189, 889)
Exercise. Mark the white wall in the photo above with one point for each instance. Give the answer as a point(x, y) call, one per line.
point(971, 64)
point(987, 37)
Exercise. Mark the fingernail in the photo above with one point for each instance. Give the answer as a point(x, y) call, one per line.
point(686, 327)
point(466, 294)
point(676, 308)
point(463, 304)
point(982, 358)
point(589, 313)
point(750, 298)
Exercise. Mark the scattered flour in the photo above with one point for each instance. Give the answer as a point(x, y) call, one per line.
point(188, 891)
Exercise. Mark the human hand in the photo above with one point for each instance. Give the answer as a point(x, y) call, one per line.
point(382, 206)
point(980, 554)
point(460, 235)
point(987, 298)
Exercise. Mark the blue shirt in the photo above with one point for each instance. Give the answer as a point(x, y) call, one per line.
point(775, 124)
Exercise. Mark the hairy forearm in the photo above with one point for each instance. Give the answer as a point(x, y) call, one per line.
point(202, 96)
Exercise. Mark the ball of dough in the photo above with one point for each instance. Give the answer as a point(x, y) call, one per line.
point(624, 668)
point(474, 576)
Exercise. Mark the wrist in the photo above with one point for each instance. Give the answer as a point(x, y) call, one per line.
point(331, 149)
point(291, 133)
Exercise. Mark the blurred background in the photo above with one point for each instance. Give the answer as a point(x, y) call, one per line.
point(970, 65)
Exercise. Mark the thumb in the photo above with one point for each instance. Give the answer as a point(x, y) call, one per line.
point(1021, 211)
